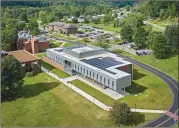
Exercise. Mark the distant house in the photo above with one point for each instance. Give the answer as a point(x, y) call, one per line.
point(62, 28)
point(31, 43)
point(28, 61)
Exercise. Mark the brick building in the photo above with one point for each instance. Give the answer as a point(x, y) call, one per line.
point(62, 28)
point(31, 43)
point(28, 61)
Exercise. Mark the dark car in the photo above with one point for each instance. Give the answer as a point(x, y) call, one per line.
point(144, 53)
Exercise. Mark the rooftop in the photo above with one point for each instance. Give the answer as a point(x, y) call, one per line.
point(103, 62)
point(61, 24)
point(23, 56)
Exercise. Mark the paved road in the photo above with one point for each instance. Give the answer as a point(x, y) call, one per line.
point(163, 120)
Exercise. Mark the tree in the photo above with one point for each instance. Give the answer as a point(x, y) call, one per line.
point(115, 14)
point(107, 18)
point(140, 37)
point(42, 16)
point(11, 79)
point(97, 20)
point(33, 26)
point(21, 26)
point(160, 46)
point(85, 39)
point(116, 23)
point(120, 113)
point(126, 33)
point(23, 17)
point(171, 34)
point(74, 20)
point(104, 43)
point(127, 7)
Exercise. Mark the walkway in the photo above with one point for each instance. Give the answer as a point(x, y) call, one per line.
point(92, 99)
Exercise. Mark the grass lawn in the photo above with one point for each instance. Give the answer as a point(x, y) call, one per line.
point(57, 44)
point(55, 70)
point(68, 44)
point(156, 29)
point(169, 65)
point(93, 92)
point(108, 27)
point(143, 91)
point(52, 41)
point(51, 68)
point(164, 23)
point(40, 55)
point(46, 102)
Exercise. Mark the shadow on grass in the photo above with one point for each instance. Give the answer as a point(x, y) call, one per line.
point(135, 88)
point(137, 75)
point(135, 118)
point(35, 89)
point(32, 90)
point(47, 66)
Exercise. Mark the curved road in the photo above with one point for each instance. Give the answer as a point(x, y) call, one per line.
point(163, 120)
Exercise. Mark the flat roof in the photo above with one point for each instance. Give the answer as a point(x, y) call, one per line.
point(83, 49)
point(23, 56)
point(108, 70)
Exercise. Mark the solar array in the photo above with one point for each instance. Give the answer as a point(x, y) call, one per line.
point(103, 63)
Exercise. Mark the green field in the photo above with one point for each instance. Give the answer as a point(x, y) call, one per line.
point(93, 92)
point(46, 102)
point(169, 65)
point(164, 23)
point(40, 55)
point(54, 70)
point(108, 27)
point(57, 44)
point(143, 91)
point(68, 44)
point(52, 41)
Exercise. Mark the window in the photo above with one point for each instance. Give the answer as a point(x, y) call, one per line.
point(75, 66)
point(100, 78)
point(97, 76)
point(108, 82)
point(90, 73)
point(112, 83)
point(87, 72)
point(93, 74)
point(81, 70)
point(78, 68)
point(104, 80)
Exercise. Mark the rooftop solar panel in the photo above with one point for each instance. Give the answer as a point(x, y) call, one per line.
point(102, 63)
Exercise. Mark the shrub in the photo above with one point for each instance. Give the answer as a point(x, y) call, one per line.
point(31, 74)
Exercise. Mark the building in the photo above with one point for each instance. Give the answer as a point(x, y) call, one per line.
point(62, 28)
point(104, 68)
point(31, 43)
point(28, 61)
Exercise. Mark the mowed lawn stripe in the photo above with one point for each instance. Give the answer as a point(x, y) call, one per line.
point(93, 92)
point(50, 103)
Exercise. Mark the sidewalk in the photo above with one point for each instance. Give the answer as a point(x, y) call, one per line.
point(90, 98)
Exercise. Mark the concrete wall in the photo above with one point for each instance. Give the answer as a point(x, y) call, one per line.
point(123, 83)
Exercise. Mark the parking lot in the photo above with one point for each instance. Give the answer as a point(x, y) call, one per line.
point(93, 33)
point(131, 48)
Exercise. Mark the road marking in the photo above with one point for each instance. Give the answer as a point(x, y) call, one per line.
point(150, 69)
point(171, 115)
